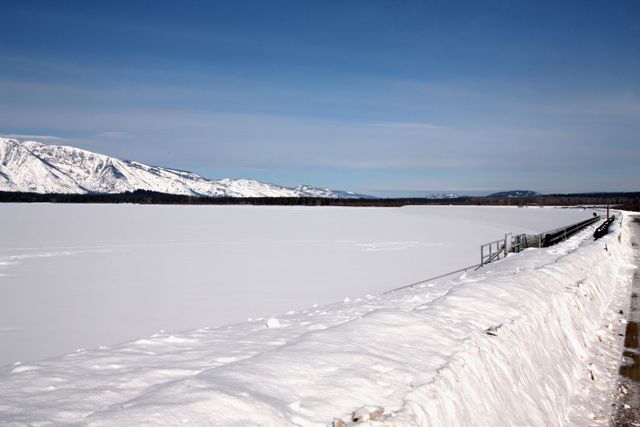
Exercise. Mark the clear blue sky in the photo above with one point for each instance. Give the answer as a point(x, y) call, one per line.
point(383, 97)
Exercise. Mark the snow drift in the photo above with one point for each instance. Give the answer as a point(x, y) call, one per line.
point(511, 344)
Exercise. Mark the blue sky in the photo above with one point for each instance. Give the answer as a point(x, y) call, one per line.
point(382, 97)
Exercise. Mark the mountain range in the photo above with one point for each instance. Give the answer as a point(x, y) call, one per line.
point(30, 166)
point(34, 167)
point(516, 194)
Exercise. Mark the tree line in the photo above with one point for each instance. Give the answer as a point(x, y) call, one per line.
point(627, 201)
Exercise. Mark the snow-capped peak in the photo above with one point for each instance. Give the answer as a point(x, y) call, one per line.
point(31, 166)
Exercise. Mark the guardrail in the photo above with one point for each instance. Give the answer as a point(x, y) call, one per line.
point(499, 249)
point(556, 236)
point(603, 230)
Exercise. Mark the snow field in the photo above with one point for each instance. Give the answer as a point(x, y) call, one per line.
point(81, 276)
point(519, 342)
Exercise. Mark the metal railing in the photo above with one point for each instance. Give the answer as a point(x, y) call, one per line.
point(603, 230)
point(556, 236)
point(411, 285)
point(498, 249)
point(493, 251)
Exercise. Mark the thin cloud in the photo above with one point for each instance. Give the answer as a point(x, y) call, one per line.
point(113, 134)
point(22, 136)
point(625, 106)
point(406, 125)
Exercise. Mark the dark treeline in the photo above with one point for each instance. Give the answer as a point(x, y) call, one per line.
point(628, 201)
point(151, 197)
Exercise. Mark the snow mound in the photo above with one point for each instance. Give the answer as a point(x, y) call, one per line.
point(273, 323)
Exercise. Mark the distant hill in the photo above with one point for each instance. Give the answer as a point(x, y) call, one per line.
point(515, 193)
point(33, 167)
point(444, 196)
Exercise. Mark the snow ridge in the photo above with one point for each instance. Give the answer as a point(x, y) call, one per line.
point(31, 166)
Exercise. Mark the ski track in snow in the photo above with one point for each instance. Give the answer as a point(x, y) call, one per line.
point(543, 320)
point(7, 261)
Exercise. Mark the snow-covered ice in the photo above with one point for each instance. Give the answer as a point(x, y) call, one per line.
point(80, 276)
point(530, 340)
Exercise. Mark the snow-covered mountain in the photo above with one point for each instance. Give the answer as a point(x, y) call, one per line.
point(515, 193)
point(31, 166)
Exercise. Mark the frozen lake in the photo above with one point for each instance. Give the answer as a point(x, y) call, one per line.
point(80, 276)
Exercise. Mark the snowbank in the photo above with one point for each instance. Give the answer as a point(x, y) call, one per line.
point(510, 344)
